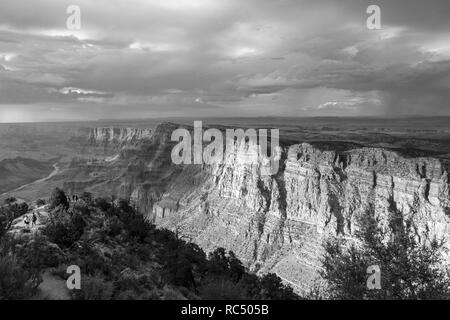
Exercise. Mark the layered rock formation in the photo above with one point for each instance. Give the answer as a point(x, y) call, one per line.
point(274, 223)
point(114, 138)
point(277, 223)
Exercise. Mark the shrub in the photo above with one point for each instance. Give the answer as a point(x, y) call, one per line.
point(10, 200)
point(102, 204)
point(138, 228)
point(112, 226)
point(178, 270)
point(124, 205)
point(171, 294)
point(272, 288)
point(410, 269)
point(86, 197)
point(9, 213)
point(58, 198)
point(38, 254)
point(134, 281)
point(222, 263)
point(91, 260)
point(93, 288)
point(64, 229)
point(82, 209)
point(121, 260)
point(16, 282)
point(223, 289)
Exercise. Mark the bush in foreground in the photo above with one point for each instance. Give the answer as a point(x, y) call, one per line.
point(410, 268)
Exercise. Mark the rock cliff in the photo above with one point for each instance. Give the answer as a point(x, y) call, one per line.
point(277, 223)
point(274, 223)
point(115, 138)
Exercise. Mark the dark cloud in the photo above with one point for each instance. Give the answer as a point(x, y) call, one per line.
point(217, 57)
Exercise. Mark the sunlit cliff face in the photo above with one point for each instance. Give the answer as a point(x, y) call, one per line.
point(134, 59)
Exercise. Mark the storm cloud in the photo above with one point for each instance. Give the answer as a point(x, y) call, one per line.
point(134, 59)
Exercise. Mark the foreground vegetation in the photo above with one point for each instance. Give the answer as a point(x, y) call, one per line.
point(410, 267)
point(120, 256)
point(123, 257)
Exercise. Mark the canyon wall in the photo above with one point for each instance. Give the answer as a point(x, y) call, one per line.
point(275, 223)
point(114, 138)
point(278, 223)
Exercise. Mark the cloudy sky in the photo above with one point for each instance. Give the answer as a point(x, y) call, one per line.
point(202, 58)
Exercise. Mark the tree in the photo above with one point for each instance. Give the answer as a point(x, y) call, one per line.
point(218, 262)
point(86, 197)
point(272, 288)
point(221, 262)
point(137, 228)
point(9, 213)
point(102, 204)
point(10, 200)
point(410, 268)
point(124, 205)
point(226, 267)
point(16, 282)
point(58, 198)
point(64, 229)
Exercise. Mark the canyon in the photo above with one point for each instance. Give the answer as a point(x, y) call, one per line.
point(274, 223)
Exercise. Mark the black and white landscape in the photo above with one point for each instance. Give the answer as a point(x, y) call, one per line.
point(93, 204)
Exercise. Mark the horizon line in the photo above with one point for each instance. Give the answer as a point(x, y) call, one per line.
point(384, 117)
